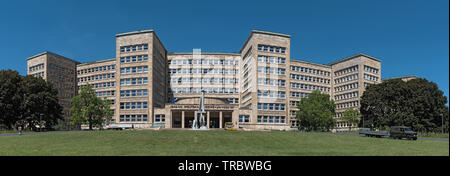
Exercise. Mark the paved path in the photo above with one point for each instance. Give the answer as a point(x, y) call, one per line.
point(420, 138)
point(38, 133)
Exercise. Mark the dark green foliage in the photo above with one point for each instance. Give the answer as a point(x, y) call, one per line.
point(316, 112)
point(40, 104)
point(417, 103)
point(10, 98)
point(27, 101)
point(89, 109)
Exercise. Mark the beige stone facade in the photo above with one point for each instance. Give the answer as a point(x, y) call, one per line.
point(257, 88)
point(58, 70)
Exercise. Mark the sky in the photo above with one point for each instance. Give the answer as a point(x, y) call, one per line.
point(410, 37)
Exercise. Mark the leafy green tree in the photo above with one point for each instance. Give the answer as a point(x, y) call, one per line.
point(40, 103)
point(417, 103)
point(90, 109)
point(316, 112)
point(10, 98)
point(351, 116)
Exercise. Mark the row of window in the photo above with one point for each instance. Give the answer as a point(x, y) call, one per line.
point(204, 80)
point(203, 71)
point(134, 118)
point(310, 79)
point(61, 68)
point(346, 78)
point(133, 81)
point(37, 67)
point(346, 70)
point(271, 106)
point(97, 77)
point(273, 49)
point(133, 48)
point(134, 93)
point(370, 77)
point(134, 70)
point(271, 70)
point(300, 94)
point(211, 90)
point(97, 69)
point(272, 119)
point(203, 62)
point(271, 94)
point(104, 85)
point(346, 96)
point(40, 74)
point(61, 77)
point(133, 105)
point(347, 105)
point(271, 59)
point(105, 93)
point(310, 87)
point(346, 87)
point(272, 82)
point(310, 70)
point(370, 69)
point(134, 59)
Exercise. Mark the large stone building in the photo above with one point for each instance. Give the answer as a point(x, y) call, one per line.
point(257, 88)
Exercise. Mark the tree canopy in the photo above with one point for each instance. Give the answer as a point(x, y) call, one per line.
point(417, 103)
point(316, 112)
point(27, 101)
point(89, 109)
point(351, 116)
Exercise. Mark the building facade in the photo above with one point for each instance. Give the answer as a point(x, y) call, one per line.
point(258, 87)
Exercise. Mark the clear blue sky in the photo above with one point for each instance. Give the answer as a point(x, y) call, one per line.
point(410, 37)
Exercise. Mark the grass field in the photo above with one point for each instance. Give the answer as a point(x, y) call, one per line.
point(216, 143)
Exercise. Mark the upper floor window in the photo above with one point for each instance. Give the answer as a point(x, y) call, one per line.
point(134, 48)
point(273, 49)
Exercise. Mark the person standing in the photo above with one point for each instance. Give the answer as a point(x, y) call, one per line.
point(20, 130)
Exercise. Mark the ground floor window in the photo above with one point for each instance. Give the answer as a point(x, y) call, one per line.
point(244, 119)
point(160, 118)
point(133, 118)
point(272, 119)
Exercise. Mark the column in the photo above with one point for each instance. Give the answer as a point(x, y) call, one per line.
point(182, 119)
point(207, 119)
point(220, 119)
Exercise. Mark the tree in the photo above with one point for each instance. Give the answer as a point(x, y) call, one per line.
point(40, 103)
point(88, 108)
point(316, 112)
point(10, 98)
point(351, 116)
point(417, 103)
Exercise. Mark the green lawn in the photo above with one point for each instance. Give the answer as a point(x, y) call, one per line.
point(186, 143)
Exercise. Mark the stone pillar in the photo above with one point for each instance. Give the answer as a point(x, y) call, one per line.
point(207, 118)
point(182, 119)
point(220, 119)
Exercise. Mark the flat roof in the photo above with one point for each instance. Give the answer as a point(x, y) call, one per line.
point(99, 61)
point(306, 62)
point(135, 32)
point(351, 57)
point(48, 52)
point(401, 77)
point(203, 53)
point(262, 32)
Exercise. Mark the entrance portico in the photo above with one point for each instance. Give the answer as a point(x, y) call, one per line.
point(214, 119)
